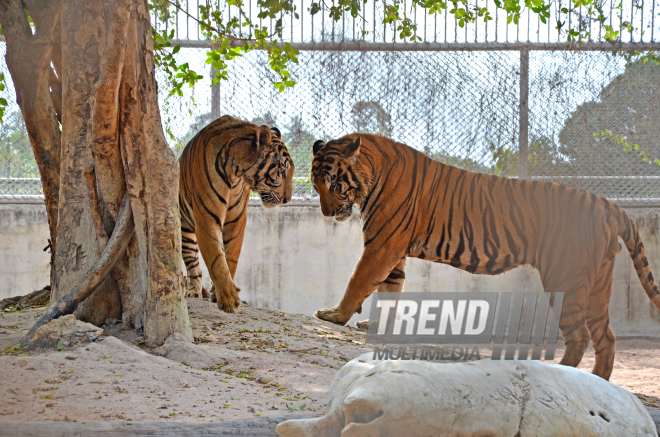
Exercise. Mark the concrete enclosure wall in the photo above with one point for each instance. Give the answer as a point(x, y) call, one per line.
point(24, 266)
point(298, 261)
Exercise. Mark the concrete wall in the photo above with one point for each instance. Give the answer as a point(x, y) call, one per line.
point(298, 261)
point(24, 266)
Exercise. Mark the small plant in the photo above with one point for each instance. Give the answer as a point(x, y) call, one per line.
point(15, 350)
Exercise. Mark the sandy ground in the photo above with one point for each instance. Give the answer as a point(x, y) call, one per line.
point(256, 362)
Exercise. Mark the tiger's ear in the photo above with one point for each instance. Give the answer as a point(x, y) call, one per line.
point(352, 150)
point(275, 131)
point(318, 145)
point(264, 137)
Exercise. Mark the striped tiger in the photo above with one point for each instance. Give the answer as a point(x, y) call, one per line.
point(413, 206)
point(219, 167)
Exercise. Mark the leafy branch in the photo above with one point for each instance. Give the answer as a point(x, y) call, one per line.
point(627, 147)
point(234, 37)
point(227, 42)
point(3, 101)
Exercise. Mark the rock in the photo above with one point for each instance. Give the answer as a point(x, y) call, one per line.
point(478, 398)
point(171, 341)
point(66, 329)
point(178, 348)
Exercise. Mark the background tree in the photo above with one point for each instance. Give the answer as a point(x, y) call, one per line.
point(14, 147)
point(371, 117)
point(542, 156)
point(627, 114)
point(267, 119)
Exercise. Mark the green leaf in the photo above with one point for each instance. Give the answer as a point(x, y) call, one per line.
point(60, 346)
point(176, 49)
point(296, 408)
point(66, 419)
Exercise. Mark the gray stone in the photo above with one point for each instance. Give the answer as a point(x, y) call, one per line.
point(67, 330)
point(470, 399)
point(179, 349)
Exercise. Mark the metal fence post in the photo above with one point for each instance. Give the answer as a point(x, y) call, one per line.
point(215, 96)
point(523, 139)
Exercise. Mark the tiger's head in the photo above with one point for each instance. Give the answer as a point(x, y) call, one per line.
point(271, 173)
point(338, 177)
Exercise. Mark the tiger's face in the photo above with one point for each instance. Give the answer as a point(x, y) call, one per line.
point(337, 177)
point(272, 174)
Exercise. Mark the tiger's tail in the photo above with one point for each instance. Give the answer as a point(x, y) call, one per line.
point(628, 232)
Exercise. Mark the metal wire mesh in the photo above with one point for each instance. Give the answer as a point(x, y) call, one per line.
point(19, 175)
point(593, 116)
point(462, 108)
point(451, 105)
point(594, 124)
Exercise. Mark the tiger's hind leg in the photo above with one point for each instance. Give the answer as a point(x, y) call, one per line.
point(598, 319)
point(393, 284)
point(190, 252)
point(573, 321)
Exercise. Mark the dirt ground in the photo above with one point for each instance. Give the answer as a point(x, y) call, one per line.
point(256, 362)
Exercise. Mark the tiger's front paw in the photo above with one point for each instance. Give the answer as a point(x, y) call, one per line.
point(227, 299)
point(332, 315)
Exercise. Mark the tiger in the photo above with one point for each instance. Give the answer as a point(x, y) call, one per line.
point(218, 168)
point(413, 206)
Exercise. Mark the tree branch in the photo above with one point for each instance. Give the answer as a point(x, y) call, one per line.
point(207, 27)
point(29, 58)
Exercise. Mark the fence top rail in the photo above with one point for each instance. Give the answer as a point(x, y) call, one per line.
point(552, 178)
point(365, 46)
point(314, 202)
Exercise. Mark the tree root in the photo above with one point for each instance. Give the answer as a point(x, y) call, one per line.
point(121, 236)
point(37, 298)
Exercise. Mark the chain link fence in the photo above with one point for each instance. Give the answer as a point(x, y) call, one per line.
point(593, 116)
point(19, 175)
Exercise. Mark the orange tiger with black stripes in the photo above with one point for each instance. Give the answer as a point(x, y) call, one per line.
point(413, 206)
point(219, 167)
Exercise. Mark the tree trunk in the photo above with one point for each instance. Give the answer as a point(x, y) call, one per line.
point(152, 175)
point(29, 60)
point(113, 143)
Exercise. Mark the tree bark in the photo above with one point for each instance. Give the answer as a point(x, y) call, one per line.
point(29, 58)
point(115, 247)
point(78, 247)
point(152, 176)
point(112, 144)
